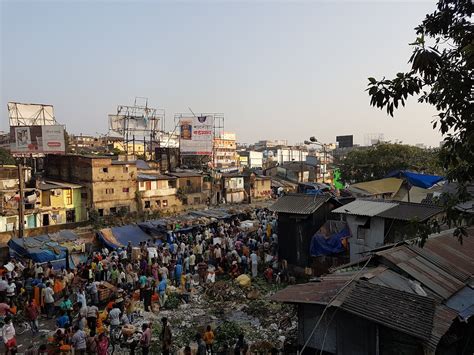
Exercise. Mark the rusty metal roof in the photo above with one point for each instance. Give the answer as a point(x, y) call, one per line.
point(419, 265)
point(299, 204)
point(406, 312)
point(313, 292)
point(446, 246)
point(442, 321)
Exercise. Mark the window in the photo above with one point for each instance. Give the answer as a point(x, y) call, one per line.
point(101, 212)
point(263, 182)
point(113, 210)
point(125, 169)
point(158, 203)
point(109, 191)
point(142, 184)
point(165, 203)
point(148, 185)
point(68, 195)
point(188, 182)
point(197, 201)
point(126, 189)
point(147, 204)
point(105, 170)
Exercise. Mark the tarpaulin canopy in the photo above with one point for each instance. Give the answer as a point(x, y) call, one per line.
point(117, 237)
point(322, 244)
point(416, 179)
point(44, 248)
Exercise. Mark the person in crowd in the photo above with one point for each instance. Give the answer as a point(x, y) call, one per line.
point(145, 340)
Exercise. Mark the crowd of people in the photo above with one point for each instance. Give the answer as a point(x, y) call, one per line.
point(142, 277)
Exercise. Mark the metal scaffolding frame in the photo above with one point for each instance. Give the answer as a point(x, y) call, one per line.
point(137, 123)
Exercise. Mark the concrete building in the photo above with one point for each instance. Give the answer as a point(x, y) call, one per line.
point(225, 150)
point(233, 188)
point(61, 202)
point(251, 159)
point(108, 185)
point(269, 144)
point(284, 155)
point(157, 192)
point(258, 187)
point(191, 187)
point(10, 198)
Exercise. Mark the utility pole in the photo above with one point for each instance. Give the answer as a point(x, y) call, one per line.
point(21, 206)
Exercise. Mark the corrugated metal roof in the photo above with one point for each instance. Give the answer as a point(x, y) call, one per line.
point(312, 292)
point(406, 211)
point(446, 246)
point(382, 186)
point(368, 208)
point(298, 204)
point(442, 321)
point(406, 312)
point(431, 275)
point(153, 177)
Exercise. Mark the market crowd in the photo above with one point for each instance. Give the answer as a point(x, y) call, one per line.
point(97, 303)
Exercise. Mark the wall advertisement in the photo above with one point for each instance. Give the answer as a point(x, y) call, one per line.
point(196, 135)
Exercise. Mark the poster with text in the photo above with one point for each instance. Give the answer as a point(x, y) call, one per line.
point(196, 135)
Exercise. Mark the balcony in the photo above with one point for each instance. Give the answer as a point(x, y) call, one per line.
point(159, 192)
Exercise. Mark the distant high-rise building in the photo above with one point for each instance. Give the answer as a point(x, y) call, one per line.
point(373, 138)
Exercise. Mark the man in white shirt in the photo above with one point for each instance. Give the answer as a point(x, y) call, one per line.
point(48, 300)
point(114, 317)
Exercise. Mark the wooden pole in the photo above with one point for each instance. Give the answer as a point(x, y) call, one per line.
point(21, 206)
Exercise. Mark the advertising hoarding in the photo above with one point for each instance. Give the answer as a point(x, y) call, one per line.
point(34, 140)
point(196, 135)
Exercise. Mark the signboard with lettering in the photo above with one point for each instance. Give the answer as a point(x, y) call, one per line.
point(37, 140)
point(196, 135)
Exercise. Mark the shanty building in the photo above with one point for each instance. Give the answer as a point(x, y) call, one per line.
point(374, 223)
point(400, 300)
point(299, 217)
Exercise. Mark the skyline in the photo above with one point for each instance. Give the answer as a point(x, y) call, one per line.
point(276, 70)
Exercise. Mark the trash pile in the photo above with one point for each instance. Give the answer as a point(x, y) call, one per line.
point(231, 310)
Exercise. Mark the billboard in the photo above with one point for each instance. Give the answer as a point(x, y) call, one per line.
point(21, 114)
point(345, 141)
point(34, 140)
point(196, 135)
point(123, 123)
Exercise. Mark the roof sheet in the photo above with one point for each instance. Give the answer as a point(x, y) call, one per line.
point(298, 203)
point(185, 174)
point(406, 211)
point(382, 186)
point(313, 292)
point(446, 246)
point(406, 312)
point(153, 177)
point(368, 208)
point(433, 275)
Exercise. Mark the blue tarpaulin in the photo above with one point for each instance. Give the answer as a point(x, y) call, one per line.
point(323, 245)
point(424, 181)
point(42, 248)
point(117, 237)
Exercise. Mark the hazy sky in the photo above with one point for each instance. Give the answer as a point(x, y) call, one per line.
point(277, 70)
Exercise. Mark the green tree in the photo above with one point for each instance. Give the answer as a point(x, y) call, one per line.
point(6, 158)
point(377, 161)
point(441, 74)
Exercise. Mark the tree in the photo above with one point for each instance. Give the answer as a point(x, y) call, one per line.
point(441, 66)
point(441, 74)
point(6, 158)
point(378, 160)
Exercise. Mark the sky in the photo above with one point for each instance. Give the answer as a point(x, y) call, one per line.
point(277, 70)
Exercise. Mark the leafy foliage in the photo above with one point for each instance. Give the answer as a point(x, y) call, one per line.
point(441, 72)
point(377, 161)
point(6, 158)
